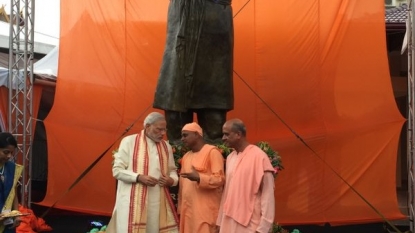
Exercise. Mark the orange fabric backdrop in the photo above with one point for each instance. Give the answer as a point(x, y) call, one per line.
point(4, 106)
point(320, 66)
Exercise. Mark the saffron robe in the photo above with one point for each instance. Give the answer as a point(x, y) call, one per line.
point(123, 172)
point(199, 202)
point(247, 205)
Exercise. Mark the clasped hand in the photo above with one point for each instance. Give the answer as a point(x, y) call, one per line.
point(151, 181)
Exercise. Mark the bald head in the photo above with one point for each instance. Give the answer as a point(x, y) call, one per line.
point(237, 125)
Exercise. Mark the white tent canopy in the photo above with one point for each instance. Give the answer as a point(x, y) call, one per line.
point(46, 68)
point(4, 74)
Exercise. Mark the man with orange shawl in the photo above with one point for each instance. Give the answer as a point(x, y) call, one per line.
point(200, 185)
point(247, 205)
point(144, 168)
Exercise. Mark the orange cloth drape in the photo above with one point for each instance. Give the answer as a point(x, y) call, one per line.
point(319, 65)
point(4, 105)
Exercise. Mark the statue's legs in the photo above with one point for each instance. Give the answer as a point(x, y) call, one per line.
point(175, 122)
point(211, 121)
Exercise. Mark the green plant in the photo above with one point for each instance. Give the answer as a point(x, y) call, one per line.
point(276, 228)
point(273, 156)
point(179, 150)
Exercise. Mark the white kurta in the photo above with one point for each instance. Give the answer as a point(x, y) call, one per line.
point(122, 171)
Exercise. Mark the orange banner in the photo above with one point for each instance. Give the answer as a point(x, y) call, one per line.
point(315, 70)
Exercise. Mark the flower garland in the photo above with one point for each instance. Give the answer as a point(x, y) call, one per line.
point(273, 156)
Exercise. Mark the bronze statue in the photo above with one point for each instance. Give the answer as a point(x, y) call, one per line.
point(197, 67)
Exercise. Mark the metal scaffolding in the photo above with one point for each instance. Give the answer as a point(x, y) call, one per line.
point(20, 115)
point(411, 107)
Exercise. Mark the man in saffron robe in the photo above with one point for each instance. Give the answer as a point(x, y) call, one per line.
point(247, 205)
point(201, 183)
point(144, 168)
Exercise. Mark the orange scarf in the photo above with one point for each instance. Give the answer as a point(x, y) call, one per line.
point(201, 162)
point(168, 216)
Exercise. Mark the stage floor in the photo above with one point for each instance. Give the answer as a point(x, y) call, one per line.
point(72, 222)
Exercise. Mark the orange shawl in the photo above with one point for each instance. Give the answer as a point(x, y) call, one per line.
point(201, 162)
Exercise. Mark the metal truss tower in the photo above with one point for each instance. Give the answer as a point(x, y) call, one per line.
point(20, 115)
point(410, 34)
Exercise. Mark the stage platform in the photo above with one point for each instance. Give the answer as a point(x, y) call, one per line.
point(72, 222)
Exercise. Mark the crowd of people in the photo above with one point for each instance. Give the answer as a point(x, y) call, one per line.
point(238, 199)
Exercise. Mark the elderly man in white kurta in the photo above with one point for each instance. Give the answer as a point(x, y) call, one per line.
point(144, 167)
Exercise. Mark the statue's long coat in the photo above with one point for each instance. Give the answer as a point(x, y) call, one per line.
point(197, 66)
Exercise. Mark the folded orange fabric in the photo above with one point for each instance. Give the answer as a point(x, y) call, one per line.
point(30, 223)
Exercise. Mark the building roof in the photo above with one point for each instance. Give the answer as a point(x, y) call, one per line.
point(45, 38)
point(396, 14)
